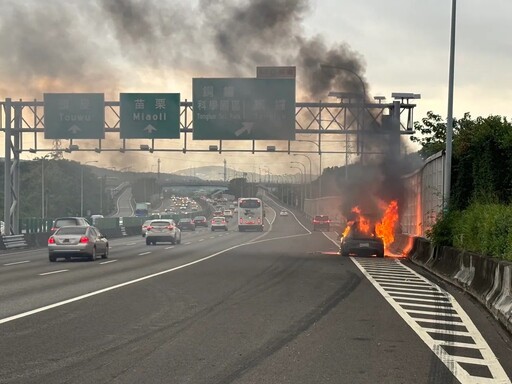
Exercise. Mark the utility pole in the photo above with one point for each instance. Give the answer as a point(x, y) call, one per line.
point(158, 170)
point(225, 170)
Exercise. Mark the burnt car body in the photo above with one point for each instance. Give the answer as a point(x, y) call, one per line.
point(359, 243)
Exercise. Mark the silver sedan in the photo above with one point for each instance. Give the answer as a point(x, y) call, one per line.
point(77, 241)
point(163, 230)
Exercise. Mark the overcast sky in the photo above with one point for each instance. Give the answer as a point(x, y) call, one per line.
point(113, 46)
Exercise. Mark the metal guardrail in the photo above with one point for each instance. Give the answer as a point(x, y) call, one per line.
point(117, 190)
point(14, 241)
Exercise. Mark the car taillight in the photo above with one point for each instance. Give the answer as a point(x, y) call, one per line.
point(241, 221)
point(170, 227)
point(149, 228)
point(53, 229)
point(51, 240)
point(84, 239)
point(259, 220)
point(315, 221)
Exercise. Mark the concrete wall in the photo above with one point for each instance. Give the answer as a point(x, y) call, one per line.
point(423, 196)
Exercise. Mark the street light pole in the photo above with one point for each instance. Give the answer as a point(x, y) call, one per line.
point(326, 66)
point(310, 171)
point(82, 186)
point(305, 173)
point(302, 186)
point(43, 211)
point(449, 122)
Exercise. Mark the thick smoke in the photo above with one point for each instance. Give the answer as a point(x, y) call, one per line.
point(105, 45)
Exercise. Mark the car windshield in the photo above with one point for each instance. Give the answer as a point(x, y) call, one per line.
point(65, 222)
point(71, 231)
point(249, 204)
point(157, 223)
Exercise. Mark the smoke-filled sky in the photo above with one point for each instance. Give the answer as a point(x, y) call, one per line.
point(113, 46)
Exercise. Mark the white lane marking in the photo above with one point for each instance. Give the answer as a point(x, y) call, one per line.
point(144, 253)
point(171, 247)
point(108, 262)
point(452, 362)
point(131, 244)
point(188, 243)
point(200, 240)
point(212, 237)
point(117, 286)
point(293, 214)
point(17, 262)
point(53, 272)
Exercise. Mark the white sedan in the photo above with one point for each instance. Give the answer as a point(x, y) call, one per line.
point(284, 212)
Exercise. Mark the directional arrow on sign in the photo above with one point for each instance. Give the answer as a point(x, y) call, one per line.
point(74, 129)
point(246, 127)
point(150, 129)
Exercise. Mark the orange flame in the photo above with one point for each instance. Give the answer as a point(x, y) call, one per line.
point(386, 227)
point(363, 222)
point(347, 229)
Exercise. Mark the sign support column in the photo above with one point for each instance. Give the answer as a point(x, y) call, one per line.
point(7, 168)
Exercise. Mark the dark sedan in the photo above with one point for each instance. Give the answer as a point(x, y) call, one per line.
point(186, 224)
point(200, 221)
point(357, 243)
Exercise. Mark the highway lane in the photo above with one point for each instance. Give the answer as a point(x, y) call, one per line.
point(124, 206)
point(287, 310)
point(38, 282)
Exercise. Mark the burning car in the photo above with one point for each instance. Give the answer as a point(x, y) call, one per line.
point(357, 241)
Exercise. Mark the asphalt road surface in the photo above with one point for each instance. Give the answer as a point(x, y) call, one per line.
point(227, 307)
point(124, 206)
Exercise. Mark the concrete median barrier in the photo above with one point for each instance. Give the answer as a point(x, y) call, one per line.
point(487, 279)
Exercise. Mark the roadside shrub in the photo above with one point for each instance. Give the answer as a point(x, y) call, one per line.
point(485, 229)
point(442, 232)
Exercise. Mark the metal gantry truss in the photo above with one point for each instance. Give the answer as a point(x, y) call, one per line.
point(23, 121)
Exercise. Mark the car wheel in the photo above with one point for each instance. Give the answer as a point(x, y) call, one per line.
point(226, 229)
point(380, 254)
point(148, 242)
point(105, 255)
point(52, 258)
point(92, 257)
point(179, 240)
point(173, 240)
point(213, 230)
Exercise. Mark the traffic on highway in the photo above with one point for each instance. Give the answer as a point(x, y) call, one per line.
point(276, 306)
point(255, 192)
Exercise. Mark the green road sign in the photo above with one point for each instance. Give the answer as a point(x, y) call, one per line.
point(74, 116)
point(243, 109)
point(150, 115)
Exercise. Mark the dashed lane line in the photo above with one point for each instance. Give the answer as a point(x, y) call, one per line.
point(53, 272)
point(17, 262)
point(171, 247)
point(144, 253)
point(188, 243)
point(108, 262)
point(437, 318)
